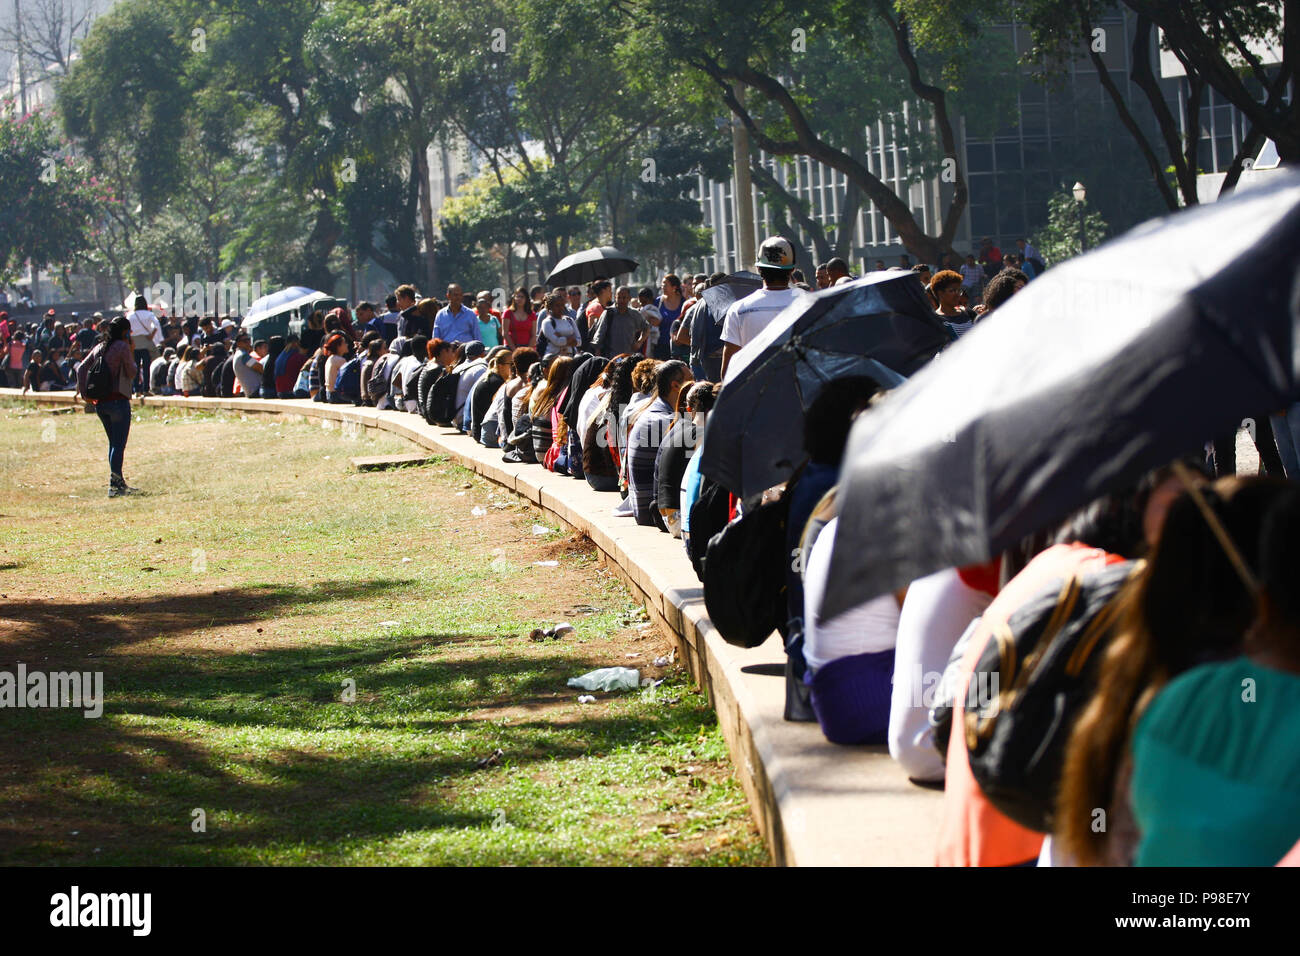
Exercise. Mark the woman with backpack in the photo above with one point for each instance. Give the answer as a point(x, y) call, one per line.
point(105, 378)
point(1188, 607)
point(543, 403)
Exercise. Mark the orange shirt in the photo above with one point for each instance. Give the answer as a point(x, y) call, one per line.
point(971, 831)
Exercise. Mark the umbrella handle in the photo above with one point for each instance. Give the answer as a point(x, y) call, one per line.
point(1216, 526)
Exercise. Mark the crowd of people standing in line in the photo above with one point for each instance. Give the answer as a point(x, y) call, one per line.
point(615, 388)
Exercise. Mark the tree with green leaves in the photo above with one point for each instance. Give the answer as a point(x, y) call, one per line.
point(47, 198)
point(1064, 237)
point(816, 74)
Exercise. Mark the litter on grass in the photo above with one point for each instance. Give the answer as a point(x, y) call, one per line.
point(607, 679)
point(556, 631)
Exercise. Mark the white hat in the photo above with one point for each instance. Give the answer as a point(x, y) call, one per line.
point(227, 323)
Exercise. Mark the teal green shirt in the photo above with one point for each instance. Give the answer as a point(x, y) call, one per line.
point(487, 333)
point(1216, 777)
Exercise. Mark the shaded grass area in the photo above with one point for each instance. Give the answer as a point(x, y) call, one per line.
point(282, 687)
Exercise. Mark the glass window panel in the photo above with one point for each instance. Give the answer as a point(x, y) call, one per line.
point(1037, 154)
point(979, 157)
point(1008, 156)
point(1011, 220)
point(983, 222)
point(981, 189)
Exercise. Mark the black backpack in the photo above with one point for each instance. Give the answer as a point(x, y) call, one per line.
point(518, 444)
point(440, 406)
point(347, 383)
point(227, 380)
point(1042, 667)
point(744, 574)
point(99, 380)
point(709, 515)
point(377, 386)
point(429, 373)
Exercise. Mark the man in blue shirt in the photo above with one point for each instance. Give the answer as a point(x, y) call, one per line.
point(455, 322)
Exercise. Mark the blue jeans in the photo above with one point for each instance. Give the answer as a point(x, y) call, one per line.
point(115, 416)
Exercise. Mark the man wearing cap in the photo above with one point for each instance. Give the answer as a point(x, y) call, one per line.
point(454, 322)
point(470, 371)
point(749, 316)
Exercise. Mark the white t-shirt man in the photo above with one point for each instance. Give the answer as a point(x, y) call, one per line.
point(749, 316)
point(250, 379)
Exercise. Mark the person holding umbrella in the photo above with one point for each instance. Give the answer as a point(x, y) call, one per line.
point(749, 316)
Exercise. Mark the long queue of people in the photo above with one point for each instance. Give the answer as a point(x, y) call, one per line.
point(1122, 689)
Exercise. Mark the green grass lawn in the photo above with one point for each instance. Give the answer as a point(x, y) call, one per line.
point(316, 664)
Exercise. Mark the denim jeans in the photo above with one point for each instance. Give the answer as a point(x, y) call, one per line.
point(115, 416)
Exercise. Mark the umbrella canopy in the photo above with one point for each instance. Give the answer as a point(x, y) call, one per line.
point(283, 301)
point(881, 326)
point(736, 286)
point(591, 264)
point(1105, 367)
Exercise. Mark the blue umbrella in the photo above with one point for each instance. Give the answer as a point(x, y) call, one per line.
point(881, 326)
point(283, 300)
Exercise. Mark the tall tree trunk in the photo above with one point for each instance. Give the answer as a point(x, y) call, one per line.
point(426, 221)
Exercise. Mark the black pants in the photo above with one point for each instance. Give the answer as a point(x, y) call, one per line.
point(1225, 450)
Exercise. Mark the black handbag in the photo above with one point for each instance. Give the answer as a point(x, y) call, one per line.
point(744, 575)
point(1038, 671)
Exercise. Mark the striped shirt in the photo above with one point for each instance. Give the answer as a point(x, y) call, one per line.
point(642, 451)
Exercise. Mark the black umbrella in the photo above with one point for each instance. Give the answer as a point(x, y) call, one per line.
point(718, 298)
point(604, 261)
point(881, 326)
point(1105, 367)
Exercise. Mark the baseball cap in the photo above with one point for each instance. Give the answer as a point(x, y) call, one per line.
point(776, 252)
point(227, 323)
point(50, 312)
point(474, 349)
point(98, 315)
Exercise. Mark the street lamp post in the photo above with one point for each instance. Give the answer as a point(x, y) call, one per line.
point(1081, 194)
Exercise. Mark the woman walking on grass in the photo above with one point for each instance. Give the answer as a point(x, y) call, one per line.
point(114, 410)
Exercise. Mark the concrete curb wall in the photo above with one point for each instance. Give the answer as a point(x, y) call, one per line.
point(815, 803)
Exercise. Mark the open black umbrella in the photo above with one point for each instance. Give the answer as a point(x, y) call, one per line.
point(881, 326)
point(735, 286)
point(1105, 367)
point(603, 261)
